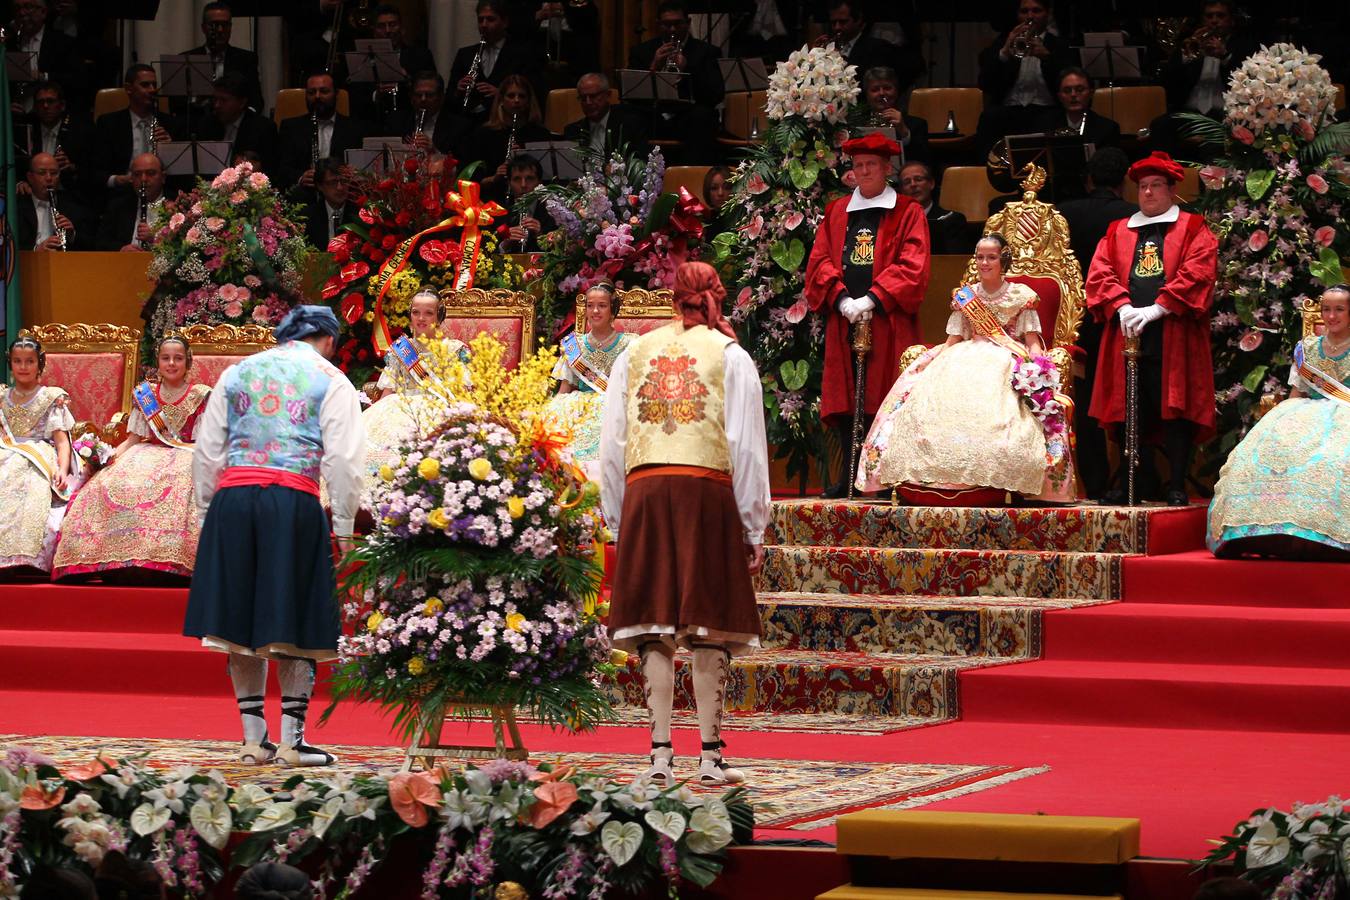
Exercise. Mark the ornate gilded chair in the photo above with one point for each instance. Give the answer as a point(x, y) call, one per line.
point(506, 315)
point(97, 365)
point(640, 310)
point(217, 347)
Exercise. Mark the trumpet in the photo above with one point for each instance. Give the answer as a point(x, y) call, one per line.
point(1025, 40)
point(1193, 47)
point(677, 47)
point(57, 230)
point(475, 69)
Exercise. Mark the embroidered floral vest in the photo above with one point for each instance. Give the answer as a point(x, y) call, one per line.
point(273, 399)
point(676, 399)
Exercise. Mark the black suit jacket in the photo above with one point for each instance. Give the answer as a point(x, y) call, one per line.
point(546, 224)
point(115, 226)
point(516, 57)
point(947, 231)
point(704, 83)
point(245, 62)
point(256, 133)
point(1088, 218)
point(75, 136)
point(998, 77)
point(78, 214)
point(295, 139)
point(625, 126)
point(1097, 129)
point(59, 59)
point(114, 143)
point(917, 148)
point(373, 111)
point(316, 221)
point(1179, 77)
point(450, 135)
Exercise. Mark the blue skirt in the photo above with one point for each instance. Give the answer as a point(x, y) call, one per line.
point(264, 583)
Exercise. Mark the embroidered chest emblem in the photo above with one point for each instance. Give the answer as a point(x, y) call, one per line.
point(672, 394)
point(1149, 265)
point(864, 248)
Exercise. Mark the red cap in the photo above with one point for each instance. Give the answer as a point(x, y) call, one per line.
point(1157, 163)
point(876, 143)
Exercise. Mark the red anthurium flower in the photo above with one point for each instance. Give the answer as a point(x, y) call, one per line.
point(352, 307)
point(433, 252)
point(365, 215)
point(403, 218)
point(354, 270)
point(389, 242)
point(332, 286)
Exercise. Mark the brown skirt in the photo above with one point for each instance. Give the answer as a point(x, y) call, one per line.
point(681, 573)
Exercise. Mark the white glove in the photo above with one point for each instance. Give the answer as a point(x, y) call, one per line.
point(1130, 324)
point(1151, 314)
point(864, 306)
point(849, 309)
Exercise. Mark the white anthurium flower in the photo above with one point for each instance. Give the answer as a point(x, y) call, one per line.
point(355, 806)
point(249, 796)
point(670, 824)
point(212, 791)
point(621, 840)
point(708, 832)
point(326, 815)
point(1267, 847)
point(276, 815)
point(1316, 828)
point(587, 822)
point(212, 820)
point(148, 818)
point(302, 792)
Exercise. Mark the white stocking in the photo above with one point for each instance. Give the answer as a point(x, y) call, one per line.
point(297, 685)
point(249, 676)
point(658, 671)
point(712, 666)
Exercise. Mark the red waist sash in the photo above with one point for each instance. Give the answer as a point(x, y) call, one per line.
point(687, 471)
point(242, 476)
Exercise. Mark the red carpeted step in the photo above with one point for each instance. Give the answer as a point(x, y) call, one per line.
point(1198, 577)
point(93, 608)
point(1079, 692)
point(1150, 632)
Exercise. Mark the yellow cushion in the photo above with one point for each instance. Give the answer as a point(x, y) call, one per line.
point(988, 836)
point(849, 892)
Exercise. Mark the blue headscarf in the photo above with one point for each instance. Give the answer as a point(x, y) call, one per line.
point(304, 320)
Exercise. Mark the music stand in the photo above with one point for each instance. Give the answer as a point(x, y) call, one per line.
point(1106, 58)
point(184, 75)
point(195, 158)
point(1062, 156)
point(744, 74)
point(558, 160)
point(641, 84)
point(19, 65)
point(374, 61)
point(379, 161)
point(380, 142)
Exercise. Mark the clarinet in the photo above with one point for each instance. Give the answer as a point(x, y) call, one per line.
point(511, 144)
point(56, 229)
point(418, 129)
point(142, 211)
point(154, 139)
point(474, 68)
point(314, 141)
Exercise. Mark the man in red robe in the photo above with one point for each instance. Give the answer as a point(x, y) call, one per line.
point(1153, 277)
point(869, 263)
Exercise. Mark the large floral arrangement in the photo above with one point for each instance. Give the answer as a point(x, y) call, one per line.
point(780, 191)
point(228, 251)
point(1276, 201)
point(554, 832)
point(1296, 855)
point(480, 580)
point(615, 224)
point(393, 209)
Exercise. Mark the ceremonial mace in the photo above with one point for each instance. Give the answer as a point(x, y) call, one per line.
point(1131, 416)
point(862, 344)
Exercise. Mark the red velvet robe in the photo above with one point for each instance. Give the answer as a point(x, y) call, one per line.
point(1190, 267)
point(899, 281)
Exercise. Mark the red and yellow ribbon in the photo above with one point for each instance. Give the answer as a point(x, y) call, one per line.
point(469, 212)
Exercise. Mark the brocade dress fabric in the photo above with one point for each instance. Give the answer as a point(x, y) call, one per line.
point(579, 412)
point(953, 419)
point(1289, 478)
point(31, 512)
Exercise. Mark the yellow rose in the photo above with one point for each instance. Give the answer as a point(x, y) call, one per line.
point(429, 468)
point(618, 657)
point(374, 621)
point(434, 606)
point(480, 468)
point(386, 473)
point(514, 621)
point(515, 506)
point(417, 665)
point(437, 519)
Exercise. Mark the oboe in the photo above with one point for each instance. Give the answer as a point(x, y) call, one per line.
point(474, 68)
point(57, 230)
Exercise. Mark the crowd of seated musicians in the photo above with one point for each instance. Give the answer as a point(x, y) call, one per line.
point(496, 91)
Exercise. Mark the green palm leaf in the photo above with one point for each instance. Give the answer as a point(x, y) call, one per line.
point(1332, 139)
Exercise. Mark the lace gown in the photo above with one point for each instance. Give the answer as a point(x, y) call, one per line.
point(1286, 486)
point(31, 512)
point(139, 512)
point(952, 419)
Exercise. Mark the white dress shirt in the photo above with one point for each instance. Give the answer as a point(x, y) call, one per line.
point(43, 209)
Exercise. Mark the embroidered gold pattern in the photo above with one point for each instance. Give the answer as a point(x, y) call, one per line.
point(671, 394)
point(864, 248)
point(1149, 264)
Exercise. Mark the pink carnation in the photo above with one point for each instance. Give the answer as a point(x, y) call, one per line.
point(258, 181)
point(238, 197)
point(233, 308)
point(260, 314)
point(176, 221)
point(1326, 235)
point(214, 223)
point(194, 235)
point(1258, 240)
point(1317, 183)
point(253, 281)
point(226, 179)
point(1243, 134)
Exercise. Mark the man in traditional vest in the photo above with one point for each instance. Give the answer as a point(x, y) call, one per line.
point(685, 485)
point(869, 263)
point(1152, 277)
point(263, 587)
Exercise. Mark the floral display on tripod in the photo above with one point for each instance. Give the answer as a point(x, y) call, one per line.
point(1276, 200)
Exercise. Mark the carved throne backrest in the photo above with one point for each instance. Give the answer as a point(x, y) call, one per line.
point(217, 347)
point(1038, 237)
point(1310, 308)
point(506, 315)
point(95, 364)
point(640, 310)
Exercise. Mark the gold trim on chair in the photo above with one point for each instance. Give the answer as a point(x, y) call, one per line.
point(636, 303)
point(227, 340)
point(101, 338)
point(494, 304)
point(1310, 308)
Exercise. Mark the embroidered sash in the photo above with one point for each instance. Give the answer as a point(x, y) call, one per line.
point(148, 403)
point(8, 442)
point(410, 357)
point(983, 322)
point(575, 354)
point(1325, 384)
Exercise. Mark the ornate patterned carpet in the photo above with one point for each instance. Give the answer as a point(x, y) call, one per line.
point(871, 612)
point(795, 794)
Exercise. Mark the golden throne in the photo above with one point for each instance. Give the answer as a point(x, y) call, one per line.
point(506, 315)
point(1038, 237)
